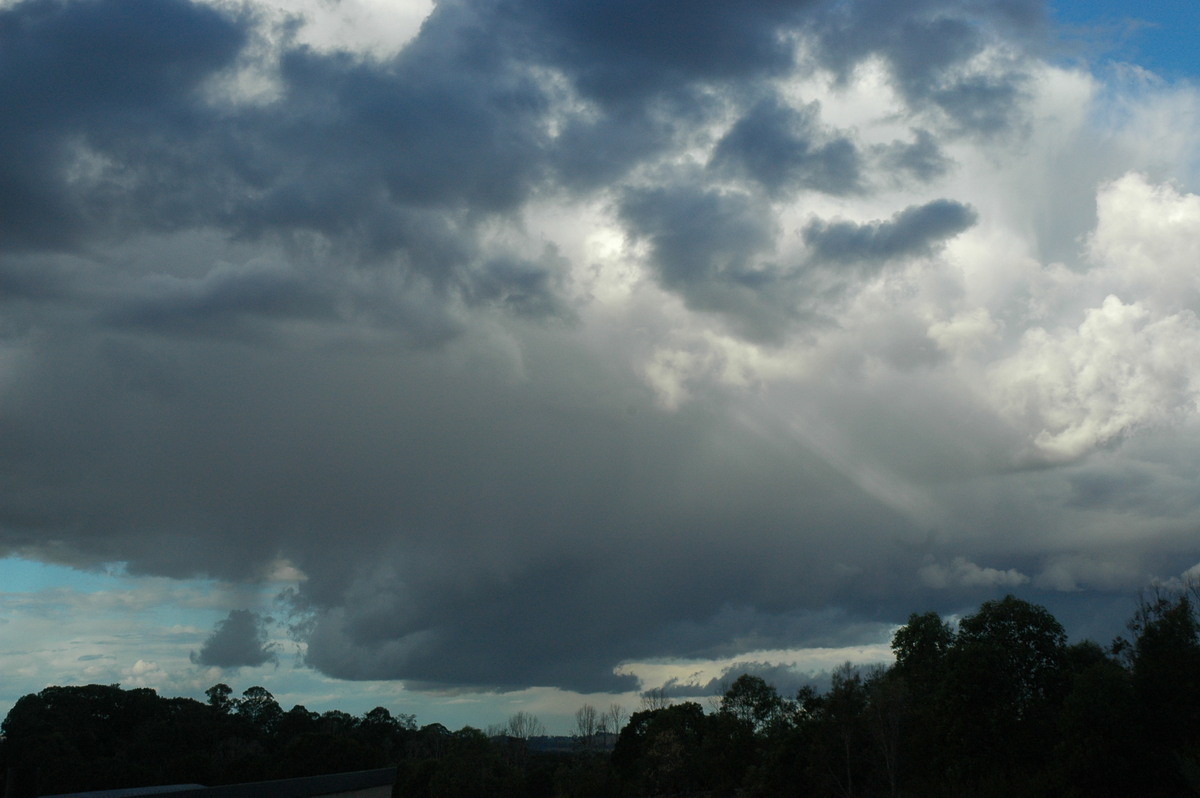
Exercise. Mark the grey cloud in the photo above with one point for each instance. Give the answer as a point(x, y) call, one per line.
point(785, 148)
point(358, 163)
point(222, 302)
point(700, 235)
point(537, 590)
point(733, 630)
point(239, 331)
point(457, 526)
point(525, 288)
point(626, 50)
point(423, 127)
point(1122, 488)
point(964, 573)
point(922, 159)
point(786, 679)
point(649, 74)
point(982, 102)
point(240, 640)
point(361, 164)
point(927, 46)
point(916, 230)
point(93, 72)
point(594, 151)
point(708, 245)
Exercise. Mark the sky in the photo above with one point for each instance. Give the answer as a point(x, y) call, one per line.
point(474, 357)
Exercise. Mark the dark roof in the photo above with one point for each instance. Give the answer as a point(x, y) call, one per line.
point(308, 787)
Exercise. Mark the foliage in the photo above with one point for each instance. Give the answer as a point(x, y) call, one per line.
point(1000, 706)
point(69, 739)
point(753, 702)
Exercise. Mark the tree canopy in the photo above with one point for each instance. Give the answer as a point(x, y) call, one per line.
point(1001, 705)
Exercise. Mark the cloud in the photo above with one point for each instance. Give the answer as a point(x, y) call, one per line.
point(1144, 242)
point(1081, 571)
point(370, 161)
point(917, 230)
point(1128, 364)
point(962, 573)
point(624, 51)
point(965, 332)
point(922, 158)
point(784, 148)
point(80, 78)
point(786, 678)
point(240, 640)
point(954, 59)
point(707, 245)
point(1121, 369)
point(221, 302)
point(264, 299)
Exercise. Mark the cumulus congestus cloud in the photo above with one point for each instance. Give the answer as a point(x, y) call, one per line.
point(567, 335)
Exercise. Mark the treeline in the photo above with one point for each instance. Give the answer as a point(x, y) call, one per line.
point(74, 739)
point(1000, 706)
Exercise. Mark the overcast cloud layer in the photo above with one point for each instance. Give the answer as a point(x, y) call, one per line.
point(576, 333)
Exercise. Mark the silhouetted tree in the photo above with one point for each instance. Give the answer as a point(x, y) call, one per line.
point(259, 707)
point(920, 647)
point(751, 700)
point(658, 751)
point(1099, 751)
point(220, 698)
point(1003, 683)
point(523, 725)
point(1164, 661)
point(587, 722)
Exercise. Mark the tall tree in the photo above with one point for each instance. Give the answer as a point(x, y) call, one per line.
point(1029, 645)
point(259, 707)
point(920, 647)
point(1005, 678)
point(220, 698)
point(523, 725)
point(752, 701)
point(1165, 664)
point(587, 723)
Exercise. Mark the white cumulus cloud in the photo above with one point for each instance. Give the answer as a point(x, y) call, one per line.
point(1121, 369)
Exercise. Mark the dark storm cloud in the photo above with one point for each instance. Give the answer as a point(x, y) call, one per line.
point(92, 72)
point(652, 73)
point(200, 295)
point(119, 130)
point(448, 123)
point(222, 303)
point(624, 51)
point(916, 230)
point(922, 159)
point(456, 528)
point(708, 245)
point(784, 148)
point(118, 124)
point(522, 287)
point(700, 235)
point(240, 640)
point(591, 153)
point(928, 46)
point(392, 160)
point(628, 567)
